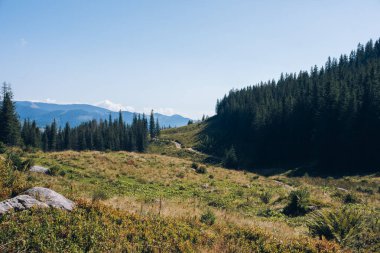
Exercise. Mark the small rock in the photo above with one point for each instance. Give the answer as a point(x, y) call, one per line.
point(50, 197)
point(20, 202)
point(205, 186)
point(39, 169)
point(342, 189)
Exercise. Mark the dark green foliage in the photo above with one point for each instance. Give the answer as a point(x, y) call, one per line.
point(54, 170)
point(201, 170)
point(31, 134)
point(93, 135)
point(158, 129)
point(208, 218)
point(266, 197)
point(3, 148)
point(14, 159)
point(350, 198)
point(152, 126)
point(10, 125)
point(194, 165)
point(348, 226)
point(298, 203)
point(99, 195)
point(230, 159)
point(329, 117)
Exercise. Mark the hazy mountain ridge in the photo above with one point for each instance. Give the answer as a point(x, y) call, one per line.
point(75, 114)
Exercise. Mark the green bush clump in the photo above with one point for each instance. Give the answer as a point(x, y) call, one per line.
point(12, 182)
point(3, 148)
point(350, 198)
point(99, 194)
point(54, 170)
point(17, 163)
point(208, 218)
point(194, 166)
point(266, 197)
point(299, 201)
point(230, 158)
point(349, 226)
point(201, 170)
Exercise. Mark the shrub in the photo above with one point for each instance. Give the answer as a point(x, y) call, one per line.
point(340, 225)
point(3, 148)
point(201, 170)
point(12, 182)
point(230, 158)
point(350, 198)
point(267, 212)
point(255, 177)
point(266, 197)
point(211, 176)
point(194, 166)
point(99, 194)
point(15, 161)
point(28, 163)
point(54, 170)
point(208, 218)
point(298, 203)
point(365, 190)
point(62, 173)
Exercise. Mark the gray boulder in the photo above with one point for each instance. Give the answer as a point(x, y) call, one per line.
point(36, 197)
point(39, 169)
point(19, 203)
point(50, 197)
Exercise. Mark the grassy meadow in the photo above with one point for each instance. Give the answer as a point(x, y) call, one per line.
point(172, 200)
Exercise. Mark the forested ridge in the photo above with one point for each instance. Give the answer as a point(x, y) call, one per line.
point(111, 134)
point(327, 117)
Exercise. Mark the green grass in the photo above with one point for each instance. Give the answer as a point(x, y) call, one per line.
point(168, 188)
point(188, 135)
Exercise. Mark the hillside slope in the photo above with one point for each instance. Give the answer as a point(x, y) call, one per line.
point(130, 194)
point(327, 118)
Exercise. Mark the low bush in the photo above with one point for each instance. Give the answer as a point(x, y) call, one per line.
point(12, 182)
point(299, 201)
point(348, 226)
point(350, 198)
point(3, 148)
point(194, 166)
point(266, 197)
point(92, 227)
point(208, 217)
point(54, 170)
point(201, 170)
point(99, 194)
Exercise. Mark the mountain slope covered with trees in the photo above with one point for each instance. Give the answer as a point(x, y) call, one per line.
point(100, 135)
point(328, 117)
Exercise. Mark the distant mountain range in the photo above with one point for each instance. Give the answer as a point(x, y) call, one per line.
point(45, 113)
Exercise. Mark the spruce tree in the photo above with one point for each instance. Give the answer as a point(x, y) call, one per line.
point(152, 128)
point(10, 129)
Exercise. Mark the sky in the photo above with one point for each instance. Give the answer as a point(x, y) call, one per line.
point(175, 56)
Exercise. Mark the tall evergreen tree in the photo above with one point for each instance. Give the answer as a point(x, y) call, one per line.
point(10, 129)
point(152, 127)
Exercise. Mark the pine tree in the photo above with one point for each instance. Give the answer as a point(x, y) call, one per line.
point(157, 130)
point(152, 128)
point(66, 137)
point(10, 129)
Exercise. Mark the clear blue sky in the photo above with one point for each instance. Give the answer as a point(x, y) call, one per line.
point(172, 55)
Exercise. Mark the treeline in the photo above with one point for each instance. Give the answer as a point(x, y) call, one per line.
point(328, 117)
point(100, 135)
